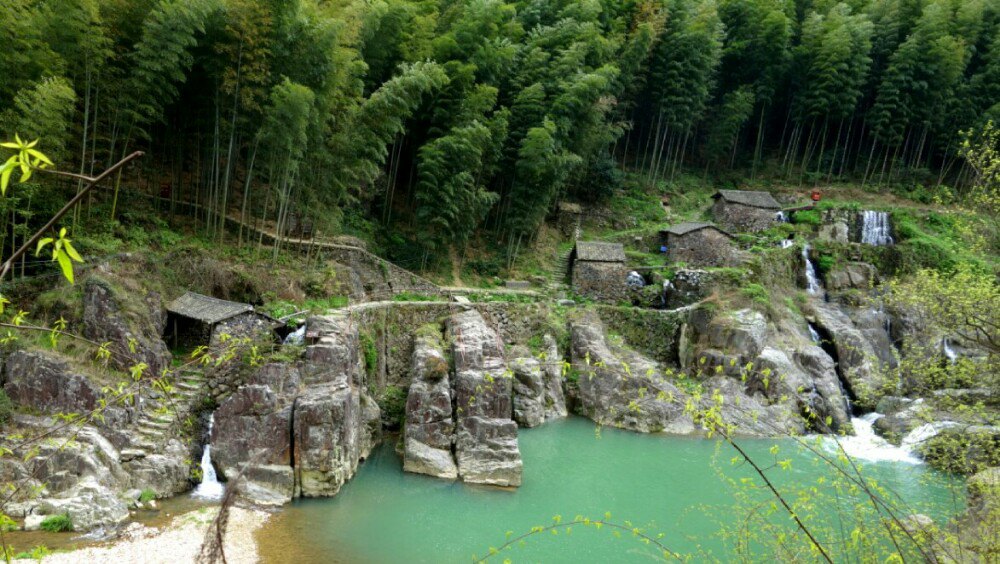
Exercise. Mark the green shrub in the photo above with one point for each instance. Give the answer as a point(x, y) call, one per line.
point(807, 217)
point(757, 293)
point(57, 523)
point(147, 496)
point(6, 408)
point(371, 354)
point(392, 402)
point(962, 453)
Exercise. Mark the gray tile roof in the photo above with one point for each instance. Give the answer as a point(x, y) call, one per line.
point(206, 308)
point(748, 198)
point(596, 251)
point(692, 226)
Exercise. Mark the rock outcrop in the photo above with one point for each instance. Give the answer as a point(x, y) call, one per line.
point(300, 430)
point(622, 388)
point(486, 447)
point(429, 434)
point(808, 376)
point(856, 355)
point(135, 338)
point(537, 386)
point(46, 383)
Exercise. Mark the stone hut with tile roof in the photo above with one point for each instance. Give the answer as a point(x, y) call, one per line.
point(745, 210)
point(699, 244)
point(195, 319)
point(598, 271)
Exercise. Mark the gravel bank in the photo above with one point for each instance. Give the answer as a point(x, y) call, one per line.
point(180, 542)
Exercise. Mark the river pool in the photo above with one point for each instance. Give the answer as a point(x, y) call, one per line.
point(685, 488)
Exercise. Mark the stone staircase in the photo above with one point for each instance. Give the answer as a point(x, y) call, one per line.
point(558, 272)
point(161, 415)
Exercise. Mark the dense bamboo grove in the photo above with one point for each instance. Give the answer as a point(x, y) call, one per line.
point(451, 118)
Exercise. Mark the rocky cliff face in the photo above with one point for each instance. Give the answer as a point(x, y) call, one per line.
point(135, 338)
point(486, 448)
point(300, 430)
point(430, 423)
point(620, 387)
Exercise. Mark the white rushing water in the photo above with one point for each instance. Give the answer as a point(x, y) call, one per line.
point(787, 243)
point(814, 334)
point(812, 281)
point(781, 217)
point(866, 445)
point(210, 487)
point(296, 337)
point(949, 352)
point(875, 228)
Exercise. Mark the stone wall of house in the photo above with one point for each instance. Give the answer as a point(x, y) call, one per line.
point(740, 218)
point(705, 247)
point(600, 281)
point(245, 325)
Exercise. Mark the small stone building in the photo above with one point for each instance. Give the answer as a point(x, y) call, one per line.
point(744, 210)
point(194, 320)
point(699, 244)
point(598, 271)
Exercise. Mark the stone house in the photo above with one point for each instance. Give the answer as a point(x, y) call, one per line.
point(598, 271)
point(699, 244)
point(194, 320)
point(744, 210)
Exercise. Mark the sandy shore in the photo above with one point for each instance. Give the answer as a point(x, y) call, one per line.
point(180, 542)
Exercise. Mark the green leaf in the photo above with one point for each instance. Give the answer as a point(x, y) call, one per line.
point(42, 243)
point(5, 179)
point(66, 265)
point(71, 251)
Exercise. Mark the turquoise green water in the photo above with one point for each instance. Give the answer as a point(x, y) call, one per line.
point(667, 485)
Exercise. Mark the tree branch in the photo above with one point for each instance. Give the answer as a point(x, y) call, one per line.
point(9, 263)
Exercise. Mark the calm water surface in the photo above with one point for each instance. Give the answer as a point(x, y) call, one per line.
point(667, 484)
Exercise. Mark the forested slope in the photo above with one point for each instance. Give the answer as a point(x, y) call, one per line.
point(440, 120)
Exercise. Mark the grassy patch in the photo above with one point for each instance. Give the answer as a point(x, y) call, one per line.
point(57, 523)
point(147, 496)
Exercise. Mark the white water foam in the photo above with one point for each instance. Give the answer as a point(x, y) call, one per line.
point(812, 281)
point(866, 445)
point(210, 487)
point(949, 352)
point(875, 228)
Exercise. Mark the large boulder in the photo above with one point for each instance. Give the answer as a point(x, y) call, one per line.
point(47, 384)
point(327, 426)
point(810, 378)
point(486, 447)
point(166, 474)
point(89, 505)
point(856, 355)
point(622, 388)
point(134, 335)
point(537, 385)
point(740, 333)
point(430, 425)
point(852, 275)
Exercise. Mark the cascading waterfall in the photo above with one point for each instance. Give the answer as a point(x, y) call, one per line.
point(875, 228)
point(787, 243)
point(812, 281)
point(781, 217)
point(864, 444)
point(814, 334)
point(210, 487)
point(296, 337)
point(948, 352)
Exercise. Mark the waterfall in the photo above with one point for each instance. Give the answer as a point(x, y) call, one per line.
point(781, 217)
point(875, 228)
point(209, 488)
point(814, 334)
point(866, 445)
point(296, 337)
point(949, 352)
point(787, 243)
point(812, 282)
